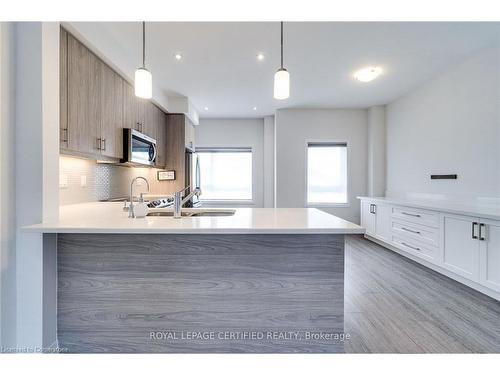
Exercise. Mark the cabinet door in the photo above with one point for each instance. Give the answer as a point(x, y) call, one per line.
point(189, 134)
point(383, 221)
point(161, 140)
point(83, 98)
point(489, 274)
point(368, 218)
point(460, 249)
point(151, 120)
point(111, 113)
point(63, 89)
point(133, 109)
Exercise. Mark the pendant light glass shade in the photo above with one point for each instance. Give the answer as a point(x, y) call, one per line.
point(281, 84)
point(143, 83)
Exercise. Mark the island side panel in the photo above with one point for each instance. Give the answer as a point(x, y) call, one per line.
point(146, 293)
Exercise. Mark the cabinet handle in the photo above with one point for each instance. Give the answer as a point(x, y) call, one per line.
point(104, 143)
point(406, 213)
point(410, 230)
point(411, 247)
point(64, 138)
point(98, 143)
point(482, 236)
point(474, 225)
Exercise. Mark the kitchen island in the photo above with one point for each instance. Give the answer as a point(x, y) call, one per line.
point(261, 280)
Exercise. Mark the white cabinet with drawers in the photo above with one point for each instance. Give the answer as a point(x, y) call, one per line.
point(465, 248)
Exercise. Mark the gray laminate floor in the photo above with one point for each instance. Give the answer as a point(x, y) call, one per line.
point(394, 305)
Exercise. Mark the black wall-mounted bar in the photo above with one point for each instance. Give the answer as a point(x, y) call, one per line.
point(444, 176)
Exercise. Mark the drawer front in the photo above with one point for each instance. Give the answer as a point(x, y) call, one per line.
point(421, 233)
point(415, 247)
point(416, 216)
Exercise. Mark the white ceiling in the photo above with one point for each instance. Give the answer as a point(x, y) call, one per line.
point(219, 69)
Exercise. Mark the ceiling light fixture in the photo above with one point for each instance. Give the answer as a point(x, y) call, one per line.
point(260, 56)
point(281, 77)
point(178, 56)
point(254, 108)
point(206, 108)
point(143, 79)
point(368, 74)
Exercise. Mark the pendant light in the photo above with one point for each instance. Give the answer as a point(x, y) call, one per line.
point(143, 77)
point(281, 77)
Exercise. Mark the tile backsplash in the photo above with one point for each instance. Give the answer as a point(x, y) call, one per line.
point(83, 180)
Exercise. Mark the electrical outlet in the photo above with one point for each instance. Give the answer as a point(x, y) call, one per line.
point(83, 181)
point(63, 181)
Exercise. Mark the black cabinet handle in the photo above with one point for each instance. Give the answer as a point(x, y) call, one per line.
point(410, 230)
point(474, 225)
point(411, 247)
point(406, 213)
point(482, 236)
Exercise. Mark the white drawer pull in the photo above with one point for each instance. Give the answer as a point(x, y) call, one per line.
point(411, 247)
point(406, 213)
point(411, 231)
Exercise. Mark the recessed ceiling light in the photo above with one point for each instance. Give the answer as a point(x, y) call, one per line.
point(178, 56)
point(254, 108)
point(206, 108)
point(368, 74)
point(260, 56)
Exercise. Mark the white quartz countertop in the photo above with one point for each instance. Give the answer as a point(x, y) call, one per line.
point(487, 211)
point(109, 217)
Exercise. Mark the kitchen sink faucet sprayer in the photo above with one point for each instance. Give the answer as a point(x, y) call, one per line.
point(131, 207)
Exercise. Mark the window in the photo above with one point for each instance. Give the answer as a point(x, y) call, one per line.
point(225, 173)
point(327, 173)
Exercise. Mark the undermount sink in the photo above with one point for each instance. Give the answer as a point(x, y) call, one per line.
point(194, 213)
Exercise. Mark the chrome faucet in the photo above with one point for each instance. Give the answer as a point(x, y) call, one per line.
point(179, 202)
point(131, 207)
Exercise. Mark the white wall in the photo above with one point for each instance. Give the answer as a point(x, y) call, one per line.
point(37, 168)
point(376, 151)
point(7, 188)
point(448, 125)
point(294, 128)
point(269, 160)
point(237, 133)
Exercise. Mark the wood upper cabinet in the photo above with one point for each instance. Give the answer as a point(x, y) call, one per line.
point(96, 103)
point(63, 90)
point(151, 117)
point(161, 140)
point(189, 134)
point(84, 76)
point(176, 150)
point(133, 109)
point(111, 113)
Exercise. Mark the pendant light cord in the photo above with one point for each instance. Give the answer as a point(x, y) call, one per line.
point(281, 44)
point(144, 44)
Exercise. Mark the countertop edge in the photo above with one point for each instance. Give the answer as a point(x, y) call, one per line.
point(434, 207)
point(40, 228)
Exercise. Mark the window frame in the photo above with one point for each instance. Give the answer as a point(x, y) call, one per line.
point(234, 202)
point(306, 170)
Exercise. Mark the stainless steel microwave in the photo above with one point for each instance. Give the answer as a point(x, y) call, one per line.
point(138, 148)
